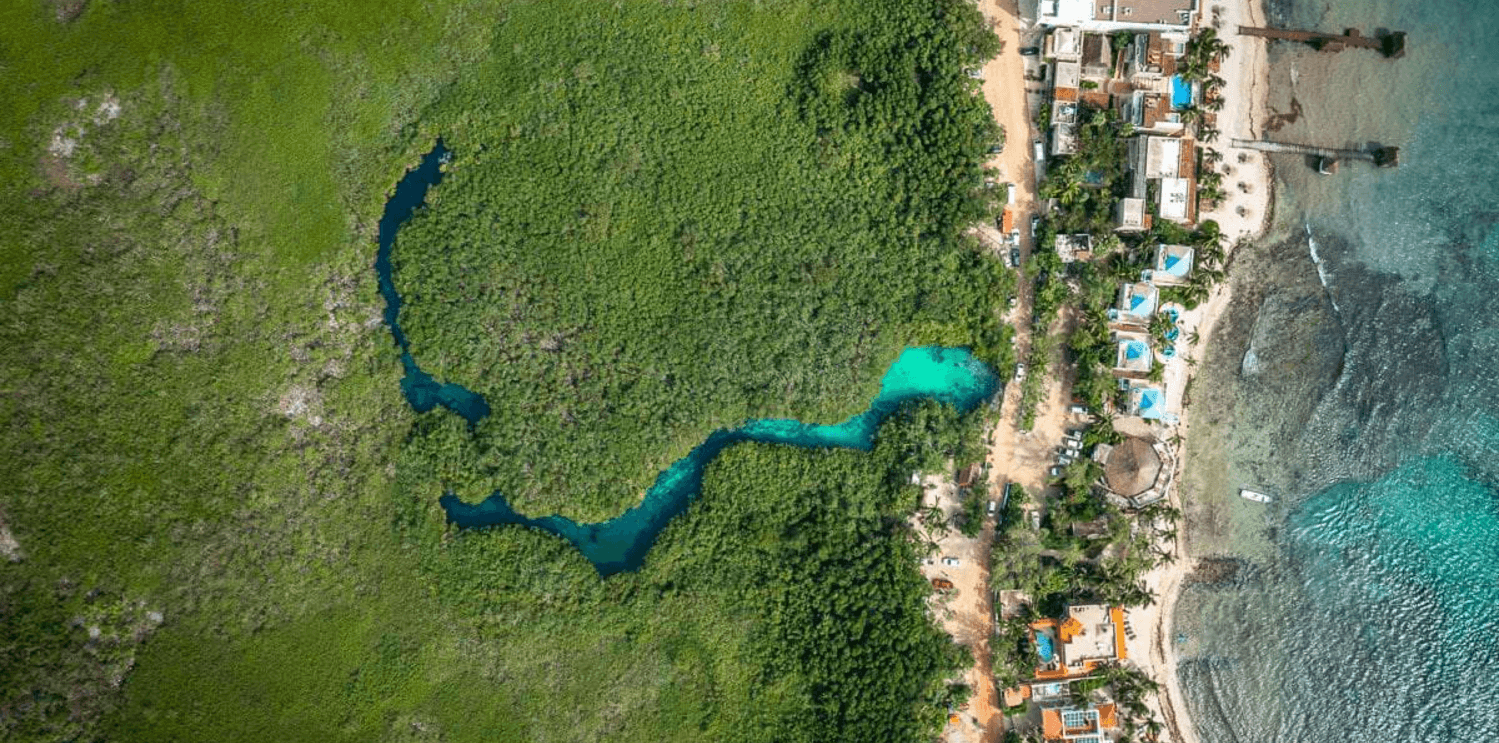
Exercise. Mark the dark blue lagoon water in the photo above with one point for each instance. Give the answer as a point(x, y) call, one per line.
point(1359, 380)
point(949, 375)
point(421, 390)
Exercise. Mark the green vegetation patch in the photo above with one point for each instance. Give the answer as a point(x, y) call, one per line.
point(663, 220)
point(784, 606)
point(227, 533)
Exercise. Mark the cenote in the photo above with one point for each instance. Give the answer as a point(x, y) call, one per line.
point(948, 375)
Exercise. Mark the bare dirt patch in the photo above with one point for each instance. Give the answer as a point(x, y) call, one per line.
point(10, 548)
point(67, 11)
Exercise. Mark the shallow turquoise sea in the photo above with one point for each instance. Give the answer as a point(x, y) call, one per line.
point(1369, 610)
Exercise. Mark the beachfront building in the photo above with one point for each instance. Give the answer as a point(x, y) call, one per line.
point(1151, 94)
point(1079, 724)
point(1087, 637)
point(1137, 302)
point(1132, 356)
point(1118, 15)
point(1167, 164)
point(1136, 472)
point(1173, 265)
point(1074, 248)
point(1149, 402)
point(1176, 200)
point(1152, 56)
point(1150, 112)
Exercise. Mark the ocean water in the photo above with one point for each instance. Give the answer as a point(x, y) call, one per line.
point(1357, 378)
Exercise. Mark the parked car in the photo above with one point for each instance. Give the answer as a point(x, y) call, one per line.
point(1019, 371)
point(1015, 257)
point(1035, 224)
point(1015, 237)
point(1030, 51)
point(993, 506)
point(951, 562)
point(1078, 410)
point(1056, 471)
point(996, 148)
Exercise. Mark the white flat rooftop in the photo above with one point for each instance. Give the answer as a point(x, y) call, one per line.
point(1163, 157)
point(1066, 12)
point(1174, 199)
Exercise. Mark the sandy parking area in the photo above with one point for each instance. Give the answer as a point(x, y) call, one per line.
point(964, 612)
point(1004, 89)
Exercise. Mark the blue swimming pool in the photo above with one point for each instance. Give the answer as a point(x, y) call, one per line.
point(1181, 92)
point(1044, 649)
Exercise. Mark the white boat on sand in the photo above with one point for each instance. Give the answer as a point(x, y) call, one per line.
point(1248, 494)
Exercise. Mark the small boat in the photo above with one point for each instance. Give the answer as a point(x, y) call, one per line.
point(1248, 494)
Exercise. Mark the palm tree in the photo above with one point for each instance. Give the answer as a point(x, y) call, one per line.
point(1071, 192)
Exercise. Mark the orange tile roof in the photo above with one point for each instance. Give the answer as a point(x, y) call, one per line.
point(1108, 716)
point(1065, 94)
point(1051, 723)
point(1007, 222)
point(1069, 629)
point(1117, 614)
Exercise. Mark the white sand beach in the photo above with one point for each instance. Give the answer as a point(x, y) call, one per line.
point(1244, 214)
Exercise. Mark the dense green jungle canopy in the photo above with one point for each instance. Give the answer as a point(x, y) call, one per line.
point(664, 217)
point(635, 248)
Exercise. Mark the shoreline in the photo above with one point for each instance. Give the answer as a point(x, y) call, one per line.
point(1244, 214)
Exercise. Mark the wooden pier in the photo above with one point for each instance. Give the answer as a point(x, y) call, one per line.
point(1389, 43)
point(1384, 157)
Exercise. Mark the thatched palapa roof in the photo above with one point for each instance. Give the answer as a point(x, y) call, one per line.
point(1132, 468)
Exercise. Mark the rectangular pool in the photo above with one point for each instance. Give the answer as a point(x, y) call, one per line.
point(1181, 92)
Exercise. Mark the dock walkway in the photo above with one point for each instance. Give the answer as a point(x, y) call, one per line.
point(1384, 157)
point(1390, 44)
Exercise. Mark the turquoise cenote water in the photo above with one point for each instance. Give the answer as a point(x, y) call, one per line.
point(1363, 389)
point(949, 375)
